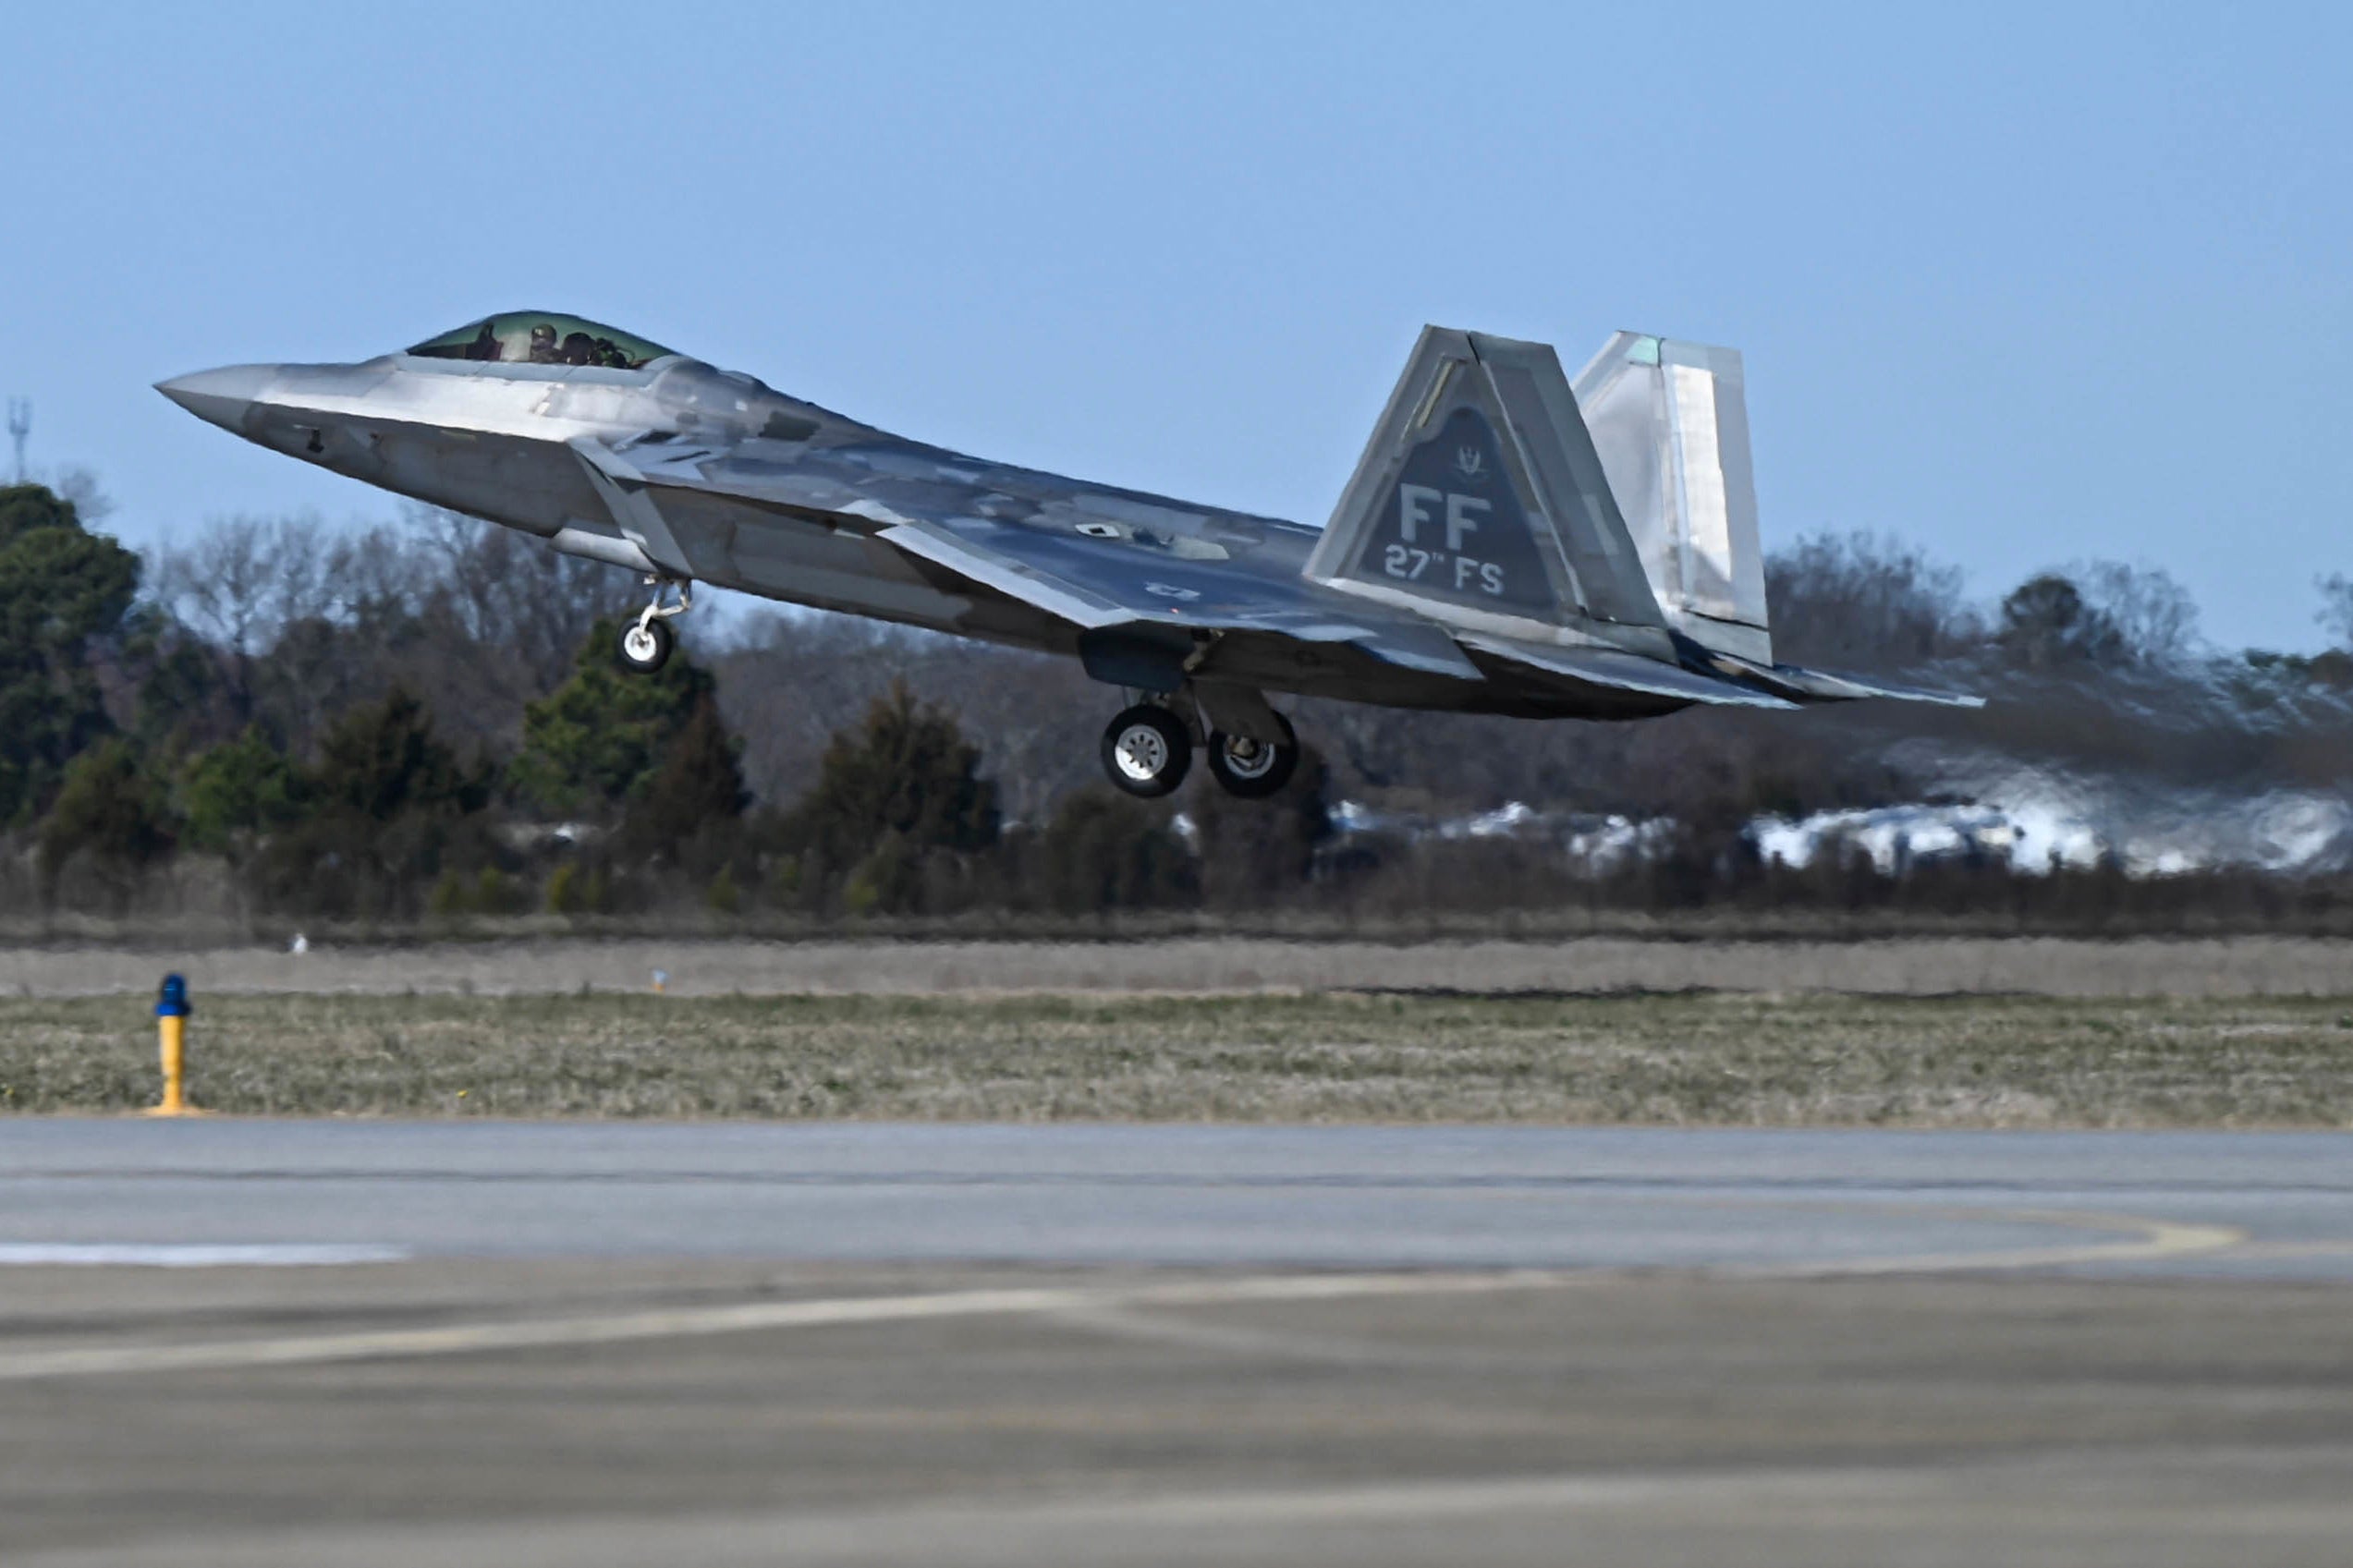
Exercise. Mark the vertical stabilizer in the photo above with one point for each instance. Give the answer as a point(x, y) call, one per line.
point(1480, 502)
point(1670, 423)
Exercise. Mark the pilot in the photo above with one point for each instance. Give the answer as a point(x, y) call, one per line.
point(543, 350)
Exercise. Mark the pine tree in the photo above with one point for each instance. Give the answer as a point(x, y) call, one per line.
point(61, 587)
point(237, 791)
point(687, 812)
point(893, 797)
point(1104, 850)
point(906, 769)
point(387, 810)
point(109, 813)
point(595, 742)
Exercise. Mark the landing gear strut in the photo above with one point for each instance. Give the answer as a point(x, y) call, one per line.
point(647, 642)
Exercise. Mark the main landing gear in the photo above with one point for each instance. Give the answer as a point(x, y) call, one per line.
point(646, 642)
point(1253, 768)
point(1147, 750)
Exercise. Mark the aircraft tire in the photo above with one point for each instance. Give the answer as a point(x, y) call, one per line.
point(1146, 751)
point(1253, 770)
point(645, 649)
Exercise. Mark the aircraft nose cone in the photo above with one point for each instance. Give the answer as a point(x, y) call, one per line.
point(219, 397)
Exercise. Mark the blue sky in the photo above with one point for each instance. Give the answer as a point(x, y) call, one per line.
point(2019, 285)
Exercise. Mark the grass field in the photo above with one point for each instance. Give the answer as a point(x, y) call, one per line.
point(1914, 966)
point(1729, 1060)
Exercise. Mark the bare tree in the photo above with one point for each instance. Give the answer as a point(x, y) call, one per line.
point(308, 620)
point(241, 583)
point(2152, 613)
point(1866, 600)
point(515, 593)
point(79, 486)
point(2335, 614)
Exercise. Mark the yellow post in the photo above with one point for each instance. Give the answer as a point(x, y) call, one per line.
point(174, 1032)
point(172, 1009)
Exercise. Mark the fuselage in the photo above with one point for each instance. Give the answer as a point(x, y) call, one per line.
point(499, 442)
point(770, 495)
point(613, 448)
point(1479, 559)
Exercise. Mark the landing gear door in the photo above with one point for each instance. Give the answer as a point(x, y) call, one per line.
point(629, 499)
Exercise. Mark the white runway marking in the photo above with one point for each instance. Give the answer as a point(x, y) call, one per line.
point(169, 1254)
point(683, 1322)
point(2147, 1238)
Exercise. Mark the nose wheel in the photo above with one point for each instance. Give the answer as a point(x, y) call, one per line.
point(648, 641)
point(646, 646)
point(1146, 751)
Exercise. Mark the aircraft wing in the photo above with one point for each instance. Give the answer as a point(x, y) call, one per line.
point(1171, 573)
point(1166, 574)
point(1095, 589)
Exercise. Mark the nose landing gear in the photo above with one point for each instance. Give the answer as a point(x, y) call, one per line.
point(646, 642)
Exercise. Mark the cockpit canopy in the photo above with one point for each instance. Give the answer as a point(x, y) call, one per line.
point(535, 338)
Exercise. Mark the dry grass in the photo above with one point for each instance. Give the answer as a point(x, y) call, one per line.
point(2216, 967)
point(1661, 1058)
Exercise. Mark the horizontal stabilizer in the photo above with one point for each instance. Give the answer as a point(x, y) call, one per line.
point(1800, 684)
point(1821, 685)
point(1615, 671)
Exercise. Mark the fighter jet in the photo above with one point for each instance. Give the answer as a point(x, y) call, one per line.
point(1511, 542)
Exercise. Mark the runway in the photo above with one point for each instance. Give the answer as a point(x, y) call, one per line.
point(1804, 1202)
point(263, 1342)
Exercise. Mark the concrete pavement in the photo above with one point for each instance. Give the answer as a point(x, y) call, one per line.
point(588, 1344)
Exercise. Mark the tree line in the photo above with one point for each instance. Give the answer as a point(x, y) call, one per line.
point(425, 719)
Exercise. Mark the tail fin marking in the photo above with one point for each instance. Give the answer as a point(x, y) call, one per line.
point(1480, 499)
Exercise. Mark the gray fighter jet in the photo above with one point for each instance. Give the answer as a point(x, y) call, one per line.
point(1511, 542)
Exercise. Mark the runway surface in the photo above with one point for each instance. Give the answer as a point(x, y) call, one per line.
point(2276, 1204)
point(265, 1342)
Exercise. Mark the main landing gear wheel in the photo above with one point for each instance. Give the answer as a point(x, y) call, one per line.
point(646, 644)
point(1146, 751)
point(1253, 768)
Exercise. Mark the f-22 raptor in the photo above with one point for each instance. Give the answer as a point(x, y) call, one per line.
point(1511, 542)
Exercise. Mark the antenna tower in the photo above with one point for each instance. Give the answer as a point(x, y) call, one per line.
point(19, 427)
